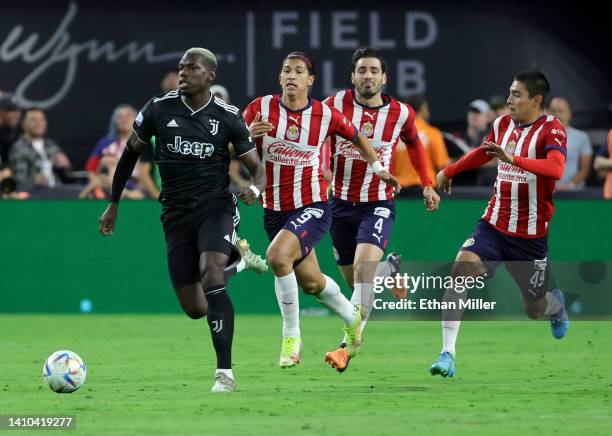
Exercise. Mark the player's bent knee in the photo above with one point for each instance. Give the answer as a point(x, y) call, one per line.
point(359, 268)
point(213, 277)
point(195, 312)
point(278, 260)
point(310, 287)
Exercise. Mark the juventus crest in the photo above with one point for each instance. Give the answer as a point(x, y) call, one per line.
point(214, 126)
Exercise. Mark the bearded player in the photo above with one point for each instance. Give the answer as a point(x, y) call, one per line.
point(363, 209)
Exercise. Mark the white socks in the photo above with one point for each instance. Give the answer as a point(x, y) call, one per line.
point(363, 294)
point(333, 299)
point(356, 299)
point(450, 329)
point(227, 372)
point(553, 305)
point(286, 289)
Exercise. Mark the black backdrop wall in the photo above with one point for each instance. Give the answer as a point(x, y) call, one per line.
point(78, 60)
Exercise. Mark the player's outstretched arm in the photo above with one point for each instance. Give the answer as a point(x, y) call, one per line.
point(418, 157)
point(124, 170)
point(366, 150)
point(471, 160)
point(253, 163)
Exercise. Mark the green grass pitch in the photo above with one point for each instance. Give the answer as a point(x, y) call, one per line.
point(152, 374)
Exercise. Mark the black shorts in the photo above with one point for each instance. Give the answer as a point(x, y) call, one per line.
point(187, 236)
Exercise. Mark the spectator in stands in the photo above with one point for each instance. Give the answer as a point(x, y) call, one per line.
point(170, 81)
point(239, 176)
point(603, 166)
point(148, 168)
point(579, 148)
point(35, 159)
point(478, 117)
point(103, 160)
point(10, 115)
point(499, 108)
point(432, 140)
point(477, 123)
point(221, 92)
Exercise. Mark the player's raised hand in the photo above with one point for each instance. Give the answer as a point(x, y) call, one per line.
point(106, 223)
point(495, 150)
point(248, 196)
point(431, 198)
point(443, 183)
point(259, 128)
point(390, 179)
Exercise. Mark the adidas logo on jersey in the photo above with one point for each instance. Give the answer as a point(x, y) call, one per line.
point(202, 149)
point(172, 123)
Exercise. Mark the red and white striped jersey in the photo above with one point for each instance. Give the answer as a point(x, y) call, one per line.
point(354, 179)
point(522, 203)
point(291, 152)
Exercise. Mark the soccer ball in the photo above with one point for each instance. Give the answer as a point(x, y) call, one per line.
point(64, 371)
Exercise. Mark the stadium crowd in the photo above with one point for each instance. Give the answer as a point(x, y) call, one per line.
point(32, 165)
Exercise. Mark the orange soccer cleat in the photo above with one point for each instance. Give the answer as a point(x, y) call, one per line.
point(338, 359)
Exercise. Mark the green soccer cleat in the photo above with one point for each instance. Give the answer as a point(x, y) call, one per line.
point(352, 333)
point(252, 261)
point(290, 352)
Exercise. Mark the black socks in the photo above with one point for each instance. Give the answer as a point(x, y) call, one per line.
point(221, 322)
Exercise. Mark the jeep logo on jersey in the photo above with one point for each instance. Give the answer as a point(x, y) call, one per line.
point(202, 149)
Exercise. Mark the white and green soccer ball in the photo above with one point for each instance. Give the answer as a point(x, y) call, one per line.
point(64, 371)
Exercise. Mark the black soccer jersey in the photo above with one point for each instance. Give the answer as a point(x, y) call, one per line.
point(192, 147)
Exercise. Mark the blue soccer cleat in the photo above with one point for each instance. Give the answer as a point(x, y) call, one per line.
point(559, 323)
point(445, 365)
